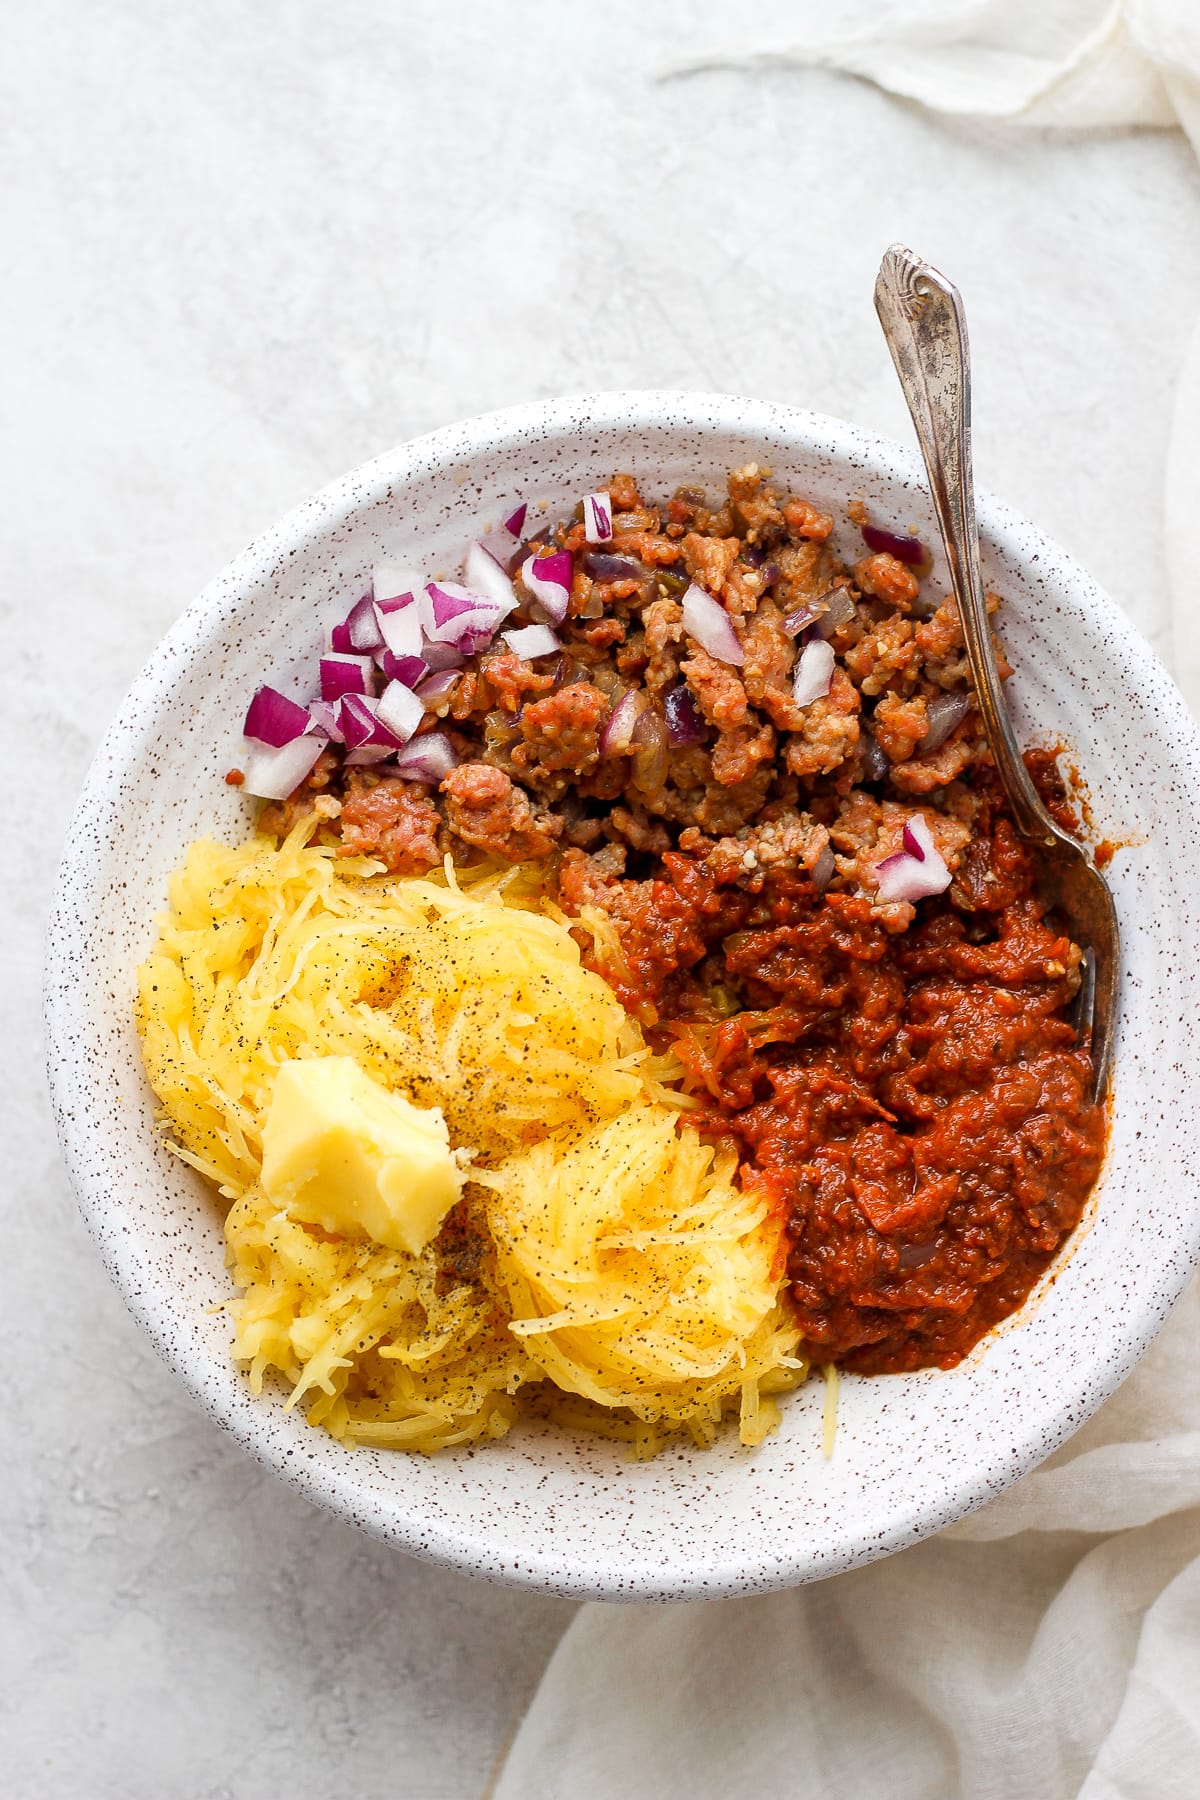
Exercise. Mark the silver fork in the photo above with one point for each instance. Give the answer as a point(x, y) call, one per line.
point(926, 331)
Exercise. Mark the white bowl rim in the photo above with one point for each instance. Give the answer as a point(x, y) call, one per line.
point(66, 1020)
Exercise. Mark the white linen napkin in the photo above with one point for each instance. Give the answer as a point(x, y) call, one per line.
point(1048, 1645)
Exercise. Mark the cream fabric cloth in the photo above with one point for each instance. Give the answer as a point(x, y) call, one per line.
point(1049, 1645)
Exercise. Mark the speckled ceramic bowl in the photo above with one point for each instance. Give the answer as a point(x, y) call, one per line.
point(544, 1508)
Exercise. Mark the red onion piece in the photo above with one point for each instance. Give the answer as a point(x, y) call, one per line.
point(531, 641)
point(323, 717)
point(399, 622)
point(838, 611)
point(339, 639)
point(408, 669)
point(483, 574)
point(359, 719)
point(345, 675)
point(796, 622)
point(814, 672)
point(399, 711)
point(367, 753)
point(548, 580)
point(362, 627)
point(912, 843)
point(436, 688)
point(601, 565)
point(706, 620)
point(684, 724)
point(944, 715)
point(453, 614)
point(441, 656)
point(651, 751)
point(506, 551)
point(274, 719)
point(911, 874)
point(904, 548)
point(515, 521)
point(823, 870)
point(428, 758)
point(597, 518)
point(393, 581)
point(272, 772)
point(618, 727)
point(876, 762)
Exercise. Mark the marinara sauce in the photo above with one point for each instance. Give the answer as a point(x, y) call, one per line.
point(916, 1105)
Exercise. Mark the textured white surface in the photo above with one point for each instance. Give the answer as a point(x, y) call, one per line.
point(245, 249)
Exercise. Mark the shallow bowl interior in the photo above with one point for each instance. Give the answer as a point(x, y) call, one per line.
point(542, 1507)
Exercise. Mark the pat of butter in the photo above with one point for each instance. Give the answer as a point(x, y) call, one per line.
point(344, 1153)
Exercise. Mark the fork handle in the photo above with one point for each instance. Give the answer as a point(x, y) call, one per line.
point(926, 331)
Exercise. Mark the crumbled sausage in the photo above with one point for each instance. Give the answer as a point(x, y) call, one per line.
point(486, 809)
point(830, 730)
point(563, 730)
point(724, 765)
point(391, 819)
point(886, 578)
point(899, 725)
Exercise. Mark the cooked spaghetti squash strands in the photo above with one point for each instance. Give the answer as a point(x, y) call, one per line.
point(601, 1247)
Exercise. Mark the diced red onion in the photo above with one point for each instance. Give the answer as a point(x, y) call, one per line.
point(532, 640)
point(272, 772)
point(823, 870)
point(904, 548)
point(452, 614)
point(323, 717)
point(484, 575)
point(706, 620)
point(366, 754)
point(360, 723)
point(428, 758)
point(839, 610)
point(274, 719)
point(408, 669)
point(796, 622)
point(515, 521)
point(597, 518)
point(618, 727)
point(339, 638)
point(651, 751)
point(400, 711)
point(601, 565)
point(399, 623)
point(345, 675)
point(944, 715)
point(548, 580)
point(814, 672)
point(915, 871)
point(876, 762)
point(684, 724)
point(362, 627)
point(506, 551)
point(441, 656)
point(435, 688)
point(392, 581)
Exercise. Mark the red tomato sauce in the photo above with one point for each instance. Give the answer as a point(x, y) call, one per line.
point(915, 1105)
